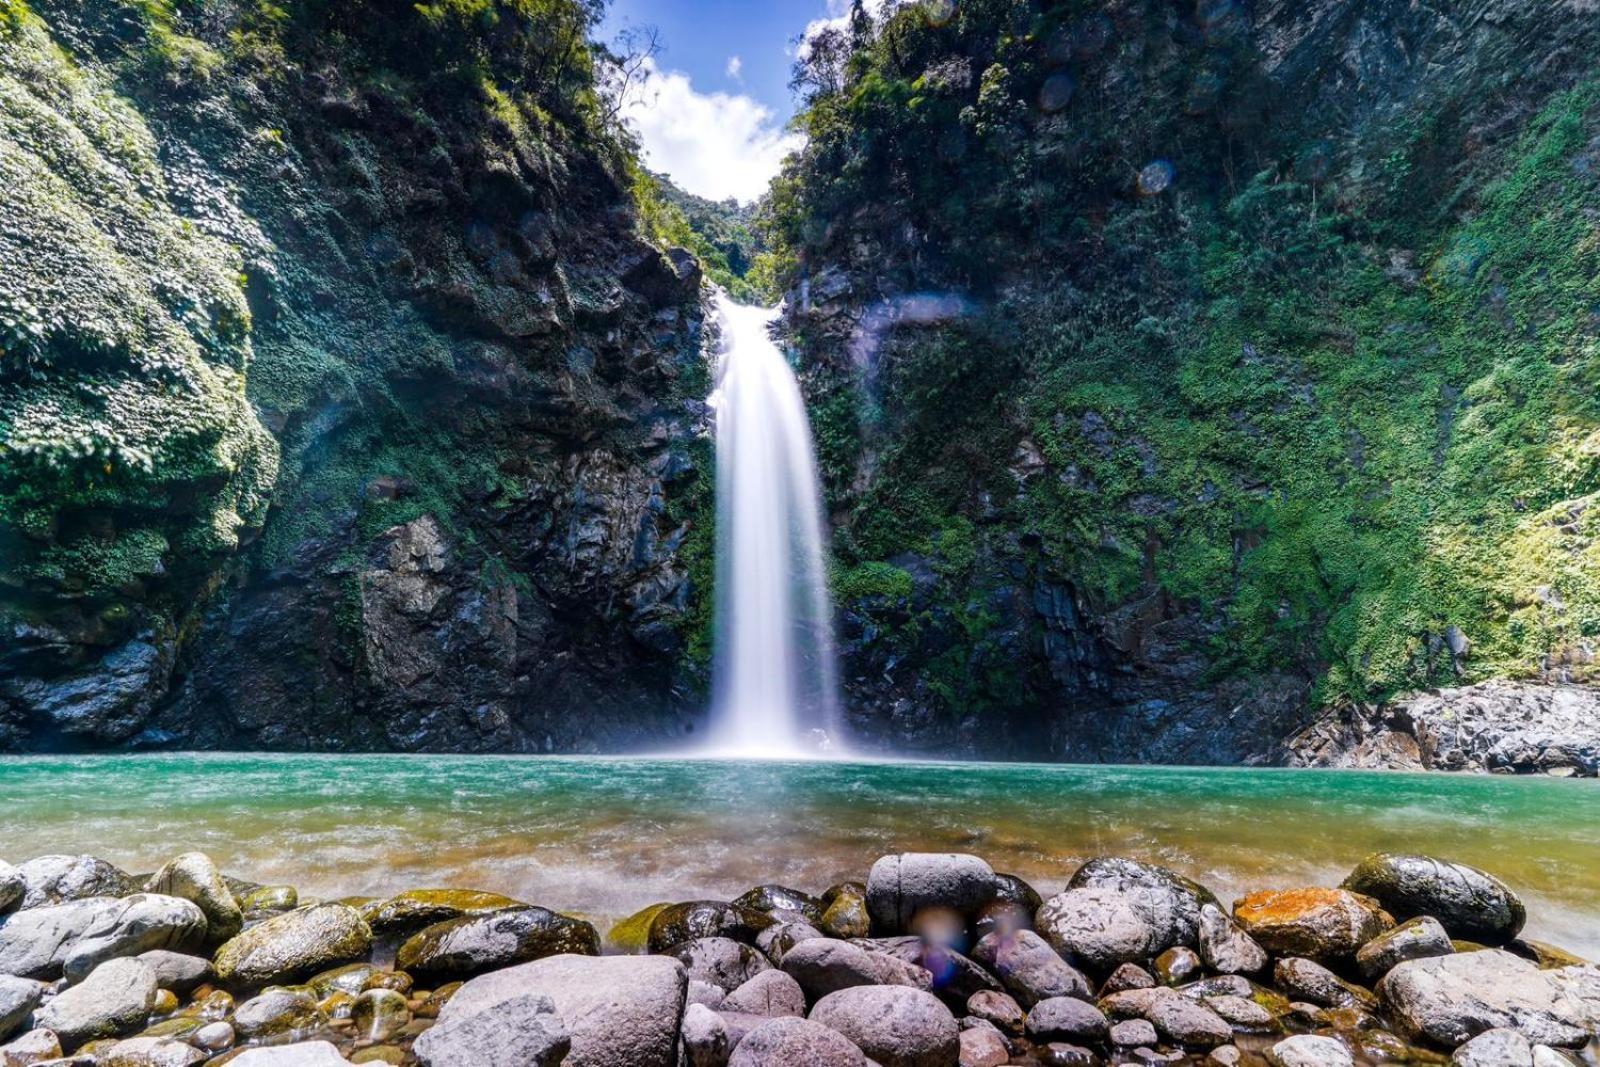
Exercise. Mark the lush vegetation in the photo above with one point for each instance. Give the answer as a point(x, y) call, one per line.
point(721, 235)
point(1336, 398)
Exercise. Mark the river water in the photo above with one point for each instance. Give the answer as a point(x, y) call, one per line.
point(603, 837)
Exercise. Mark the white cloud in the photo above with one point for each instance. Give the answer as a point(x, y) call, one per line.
point(736, 68)
point(839, 16)
point(716, 145)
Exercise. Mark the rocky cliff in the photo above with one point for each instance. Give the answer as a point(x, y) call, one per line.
point(342, 402)
point(1186, 373)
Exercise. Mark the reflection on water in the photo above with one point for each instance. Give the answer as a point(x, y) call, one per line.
point(606, 836)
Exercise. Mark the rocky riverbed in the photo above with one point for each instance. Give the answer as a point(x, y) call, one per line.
point(935, 960)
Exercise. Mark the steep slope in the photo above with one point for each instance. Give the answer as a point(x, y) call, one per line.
point(342, 403)
point(1183, 372)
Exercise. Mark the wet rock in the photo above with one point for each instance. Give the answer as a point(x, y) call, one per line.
point(268, 900)
point(33, 1047)
point(1127, 976)
point(1066, 1019)
point(822, 967)
point(352, 978)
point(1309, 1050)
point(1225, 1056)
point(177, 971)
point(1173, 901)
point(13, 888)
point(49, 940)
point(1061, 1054)
point(1450, 999)
point(621, 1011)
point(900, 886)
point(1029, 968)
point(893, 1025)
point(997, 1009)
point(474, 944)
point(1414, 939)
point(519, 1031)
point(406, 913)
point(779, 938)
point(1242, 1013)
point(1310, 981)
point(214, 1037)
point(770, 993)
point(294, 945)
point(278, 1012)
point(1101, 928)
point(777, 898)
point(113, 1000)
point(58, 879)
point(380, 1014)
point(1495, 1048)
point(1225, 947)
point(1548, 957)
point(151, 1052)
point(1467, 902)
point(1132, 1033)
point(303, 1054)
point(1177, 966)
point(1177, 1018)
point(796, 1043)
point(632, 935)
point(982, 1047)
point(1325, 925)
point(677, 923)
point(705, 1038)
point(18, 997)
point(1012, 908)
point(845, 915)
point(723, 962)
point(193, 877)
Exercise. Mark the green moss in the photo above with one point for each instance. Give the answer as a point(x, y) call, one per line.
point(872, 579)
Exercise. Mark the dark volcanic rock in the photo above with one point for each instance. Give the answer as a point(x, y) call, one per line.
point(1470, 904)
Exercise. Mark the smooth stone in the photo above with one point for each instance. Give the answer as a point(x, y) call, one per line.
point(1062, 1054)
point(982, 1047)
point(678, 923)
point(13, 888)
point(1029, 968)
point(269, 899)
point(722, 961)
point(1415, 939)
point(998, 1009)
point(1451, 999)
point(520, 1031)
point(1225, 947)
point(705, 1037)
point(1131, 1033)
point(1545, 1056)
point(214, 1037)
point(1225, 1056)
point(389, 1054)
point(740, 1023)
point(58, 879)
point(18, 998)
point(1101, 928)
point(1177, 1018)
point(1469, 903)
point(846, 914)
point(1325, 925)
point(304, 1054)
point(352, 978)
point(825, 966)
point(406, 913)
point(621, 1011)
point(33, 1047)
point(780, 937)
point(177, 971)
point(151, 1052)
point(894, 1025)
point(380, 1014)
point(770, 993)
point(113, 1000)
point(294, 945)
point(1066, 1019)
point(1309, 1050)
point(632, 935)
point(771, 898)
point(195, 878)
point(1221, 985)
point(1548, 957)
point(792, 1042)
point(1175, 914)
point(469, 946)
point(1495, 1048)
point(898, 887)
point(277, 1012)
point(74, 937)
point(1177, 966)
point(1127, 976)
point(1311, 981)
point(1241, 1012)
point(706, 993)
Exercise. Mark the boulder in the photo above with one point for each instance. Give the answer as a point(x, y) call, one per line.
point(982, 1047)
point(1495, 1048)
point(795, 1043)
point(1127, 976)
point(1101, 928)
point(721, 961)
point(824, 966)
point(1173, 902)
point(1029, 968)
point(621, 1011)
point(1134, 1033)
point(1225, 947)
point(780, 937)
point(520, 1031)
point(999, 1010)
point(1177, 1018)
point(13, 888)
point(706, 1042)
point(177, 971)
point(1325, 925)
point(1471, 904)
point(304, 1054)
point(113, 1000)
point(18, 998)
point(777, 898)
point(214, 1037)
point(632, 935)
point(895, 1026)
point(770, 993)
point(1241, 1013)
point(1302, 979)
point(58, 879)
point(72, 938)
point(277, 1012)
point(293, 945)
point(1309, 1050)
point(1415, 939)
point(1067, 1019)
point(709, 995)
point(1450, 999)
point(406, 913)
point(193, 877)
point(845, 914)
point(677, 923)
point(151, 1052)
point(900, 886)
point(35, 1046)
point(473, 944)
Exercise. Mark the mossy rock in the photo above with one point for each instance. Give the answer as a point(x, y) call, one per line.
point(678, 923)
point(415, 909)
point(771, 898)
point(631, 936)
point(294, 945)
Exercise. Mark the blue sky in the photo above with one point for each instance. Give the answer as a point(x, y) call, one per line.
point(712, 113)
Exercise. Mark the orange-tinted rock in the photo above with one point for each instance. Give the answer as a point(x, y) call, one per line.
point(1326, 925)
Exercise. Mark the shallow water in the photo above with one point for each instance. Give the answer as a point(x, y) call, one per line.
point(603, 837)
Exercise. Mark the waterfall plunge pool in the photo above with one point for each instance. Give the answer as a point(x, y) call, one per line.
point(603, 837)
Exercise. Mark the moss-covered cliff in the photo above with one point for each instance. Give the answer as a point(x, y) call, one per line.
point(1181, 370)
point(343, 401)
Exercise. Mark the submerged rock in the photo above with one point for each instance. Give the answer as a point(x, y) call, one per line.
point(278, 1012)
point(294, 945)
point(1325, 925)
point(462, 948)
point(1469, 903)
point(1309, 1050)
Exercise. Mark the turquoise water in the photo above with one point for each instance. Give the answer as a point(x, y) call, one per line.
point(605, 836)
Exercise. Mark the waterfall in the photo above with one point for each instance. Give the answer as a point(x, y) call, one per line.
point(775, 689)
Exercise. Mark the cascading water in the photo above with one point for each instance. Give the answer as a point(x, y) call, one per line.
point(775, 690)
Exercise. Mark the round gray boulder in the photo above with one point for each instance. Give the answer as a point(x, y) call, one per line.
point(114, 1000)
point(894, 1025)
point(294, 945)
point(1471, 904)
point(898, 887)
point(474, 944)
point(722, 961)
point(796, 1043)
point(58, 879)
point(1029, 968)
point(193, 877)
point(770, 993)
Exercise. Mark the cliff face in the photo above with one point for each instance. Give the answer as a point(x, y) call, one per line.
point(342, 404)
point(1182, 371)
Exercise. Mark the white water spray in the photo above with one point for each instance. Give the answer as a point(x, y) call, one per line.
point(775, 690)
